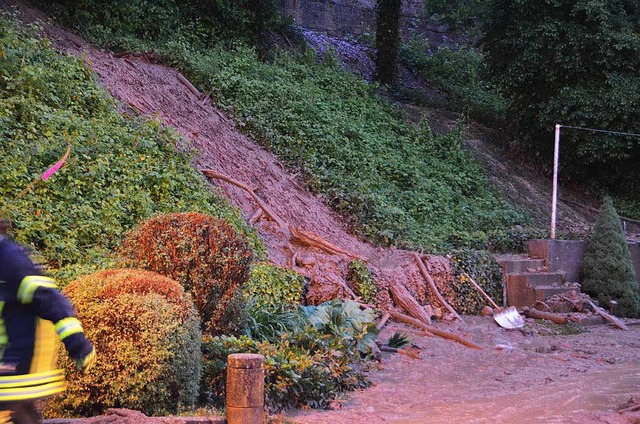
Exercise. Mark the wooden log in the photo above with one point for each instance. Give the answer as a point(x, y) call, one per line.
point(432, 285)
point(383, 321)
point(433, 330)
point(608, 317)
point(549, 316)
point(190, 86)
point(404, 299)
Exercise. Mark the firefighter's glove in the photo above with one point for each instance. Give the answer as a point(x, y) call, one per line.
point(86, 363)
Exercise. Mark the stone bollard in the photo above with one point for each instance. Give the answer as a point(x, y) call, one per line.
point(245, 389)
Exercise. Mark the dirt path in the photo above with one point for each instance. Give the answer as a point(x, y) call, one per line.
point(528, 375)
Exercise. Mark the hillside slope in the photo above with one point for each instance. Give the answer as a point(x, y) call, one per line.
point(157, 90)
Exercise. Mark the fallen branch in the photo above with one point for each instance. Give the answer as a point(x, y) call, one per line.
point(256, 216)
point(313, 240)
point(433, 286)
point(190, 86)
point(608, 317)
point(404, 299)
point(433, 330)
point(414, 355)
point(267, 210)
point(549, 316)
point(297, 234)
point(547, 307)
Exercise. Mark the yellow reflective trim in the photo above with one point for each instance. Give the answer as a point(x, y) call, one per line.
point(26, 380)
point(27, 393)
point(44, 348)
point(68, 326)
point(30, 284)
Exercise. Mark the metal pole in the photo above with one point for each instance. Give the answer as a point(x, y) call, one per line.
point(554, 201)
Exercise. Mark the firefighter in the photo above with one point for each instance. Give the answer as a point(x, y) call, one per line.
point(32, 311)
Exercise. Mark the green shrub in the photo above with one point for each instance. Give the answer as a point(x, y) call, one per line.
point(145, 330)
point(120, 170)
point(272, 287)
point(479, 265)
point(607, 270)
point(303, 369)
point(362, 281)
point(206, 255)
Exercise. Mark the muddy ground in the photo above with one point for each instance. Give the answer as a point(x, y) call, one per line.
point(538, 374)
point(528, 375)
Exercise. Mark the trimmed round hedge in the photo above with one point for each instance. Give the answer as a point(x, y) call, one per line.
point(146, 332)
point(206, 255)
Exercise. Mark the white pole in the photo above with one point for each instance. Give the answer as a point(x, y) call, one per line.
point(554, 201)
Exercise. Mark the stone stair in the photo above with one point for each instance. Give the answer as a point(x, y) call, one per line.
point(529, 280)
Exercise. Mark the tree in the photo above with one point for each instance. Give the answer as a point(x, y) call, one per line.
point(607, 269)
point(572, 62)
point(387, 40)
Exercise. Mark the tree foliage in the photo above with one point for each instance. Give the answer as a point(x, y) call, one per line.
point(607, 268)
point(572, 62)
point(387, 39)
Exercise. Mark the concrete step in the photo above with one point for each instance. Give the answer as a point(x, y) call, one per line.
point(533, 279)
point(520, 265)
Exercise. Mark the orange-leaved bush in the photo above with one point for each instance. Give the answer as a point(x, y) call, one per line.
point(146, 332)
point(206, 255)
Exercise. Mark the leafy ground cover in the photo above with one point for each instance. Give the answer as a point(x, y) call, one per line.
point(399, 183)
point(120, 171)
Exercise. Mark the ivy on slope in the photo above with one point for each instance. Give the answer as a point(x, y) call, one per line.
point(120, 171)
point(401, 184)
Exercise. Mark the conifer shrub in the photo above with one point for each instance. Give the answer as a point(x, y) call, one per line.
point(206, 255)
point(273, 287)
point(146, 332)
point(607, 270)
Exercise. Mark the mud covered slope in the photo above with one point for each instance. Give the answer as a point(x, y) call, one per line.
point(158, 91)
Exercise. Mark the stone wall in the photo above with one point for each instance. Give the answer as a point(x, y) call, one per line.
point(567, 255)
point(338, 18)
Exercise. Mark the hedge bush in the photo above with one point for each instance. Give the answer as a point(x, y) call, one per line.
point(479, 265)
point(360, 278)
point(145, 330)
point(206, 255)
point(273, 287)
point(607, 270)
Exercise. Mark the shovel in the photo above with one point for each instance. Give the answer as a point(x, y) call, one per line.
point(506, 318)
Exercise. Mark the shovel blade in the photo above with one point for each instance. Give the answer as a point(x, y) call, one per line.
point(509, 318)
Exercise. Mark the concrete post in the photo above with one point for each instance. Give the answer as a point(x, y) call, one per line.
point(245, 389)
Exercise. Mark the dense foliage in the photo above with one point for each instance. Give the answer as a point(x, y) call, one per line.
point(607, 270)
point(461, 74)
point(361, 279)
point(145, 330)
point(120, 170)
point(484, 270)
point(272, 287)
point(206, 255)
point(307, 364)
point(387, 40)
point(572, 62)
point(121, 24)
point(398, 182)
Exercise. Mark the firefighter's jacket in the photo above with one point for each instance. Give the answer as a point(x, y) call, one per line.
point(32, 311)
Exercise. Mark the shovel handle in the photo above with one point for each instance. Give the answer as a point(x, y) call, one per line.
point(481, 291)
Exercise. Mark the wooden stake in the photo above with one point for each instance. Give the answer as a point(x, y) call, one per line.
point(433, 286)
